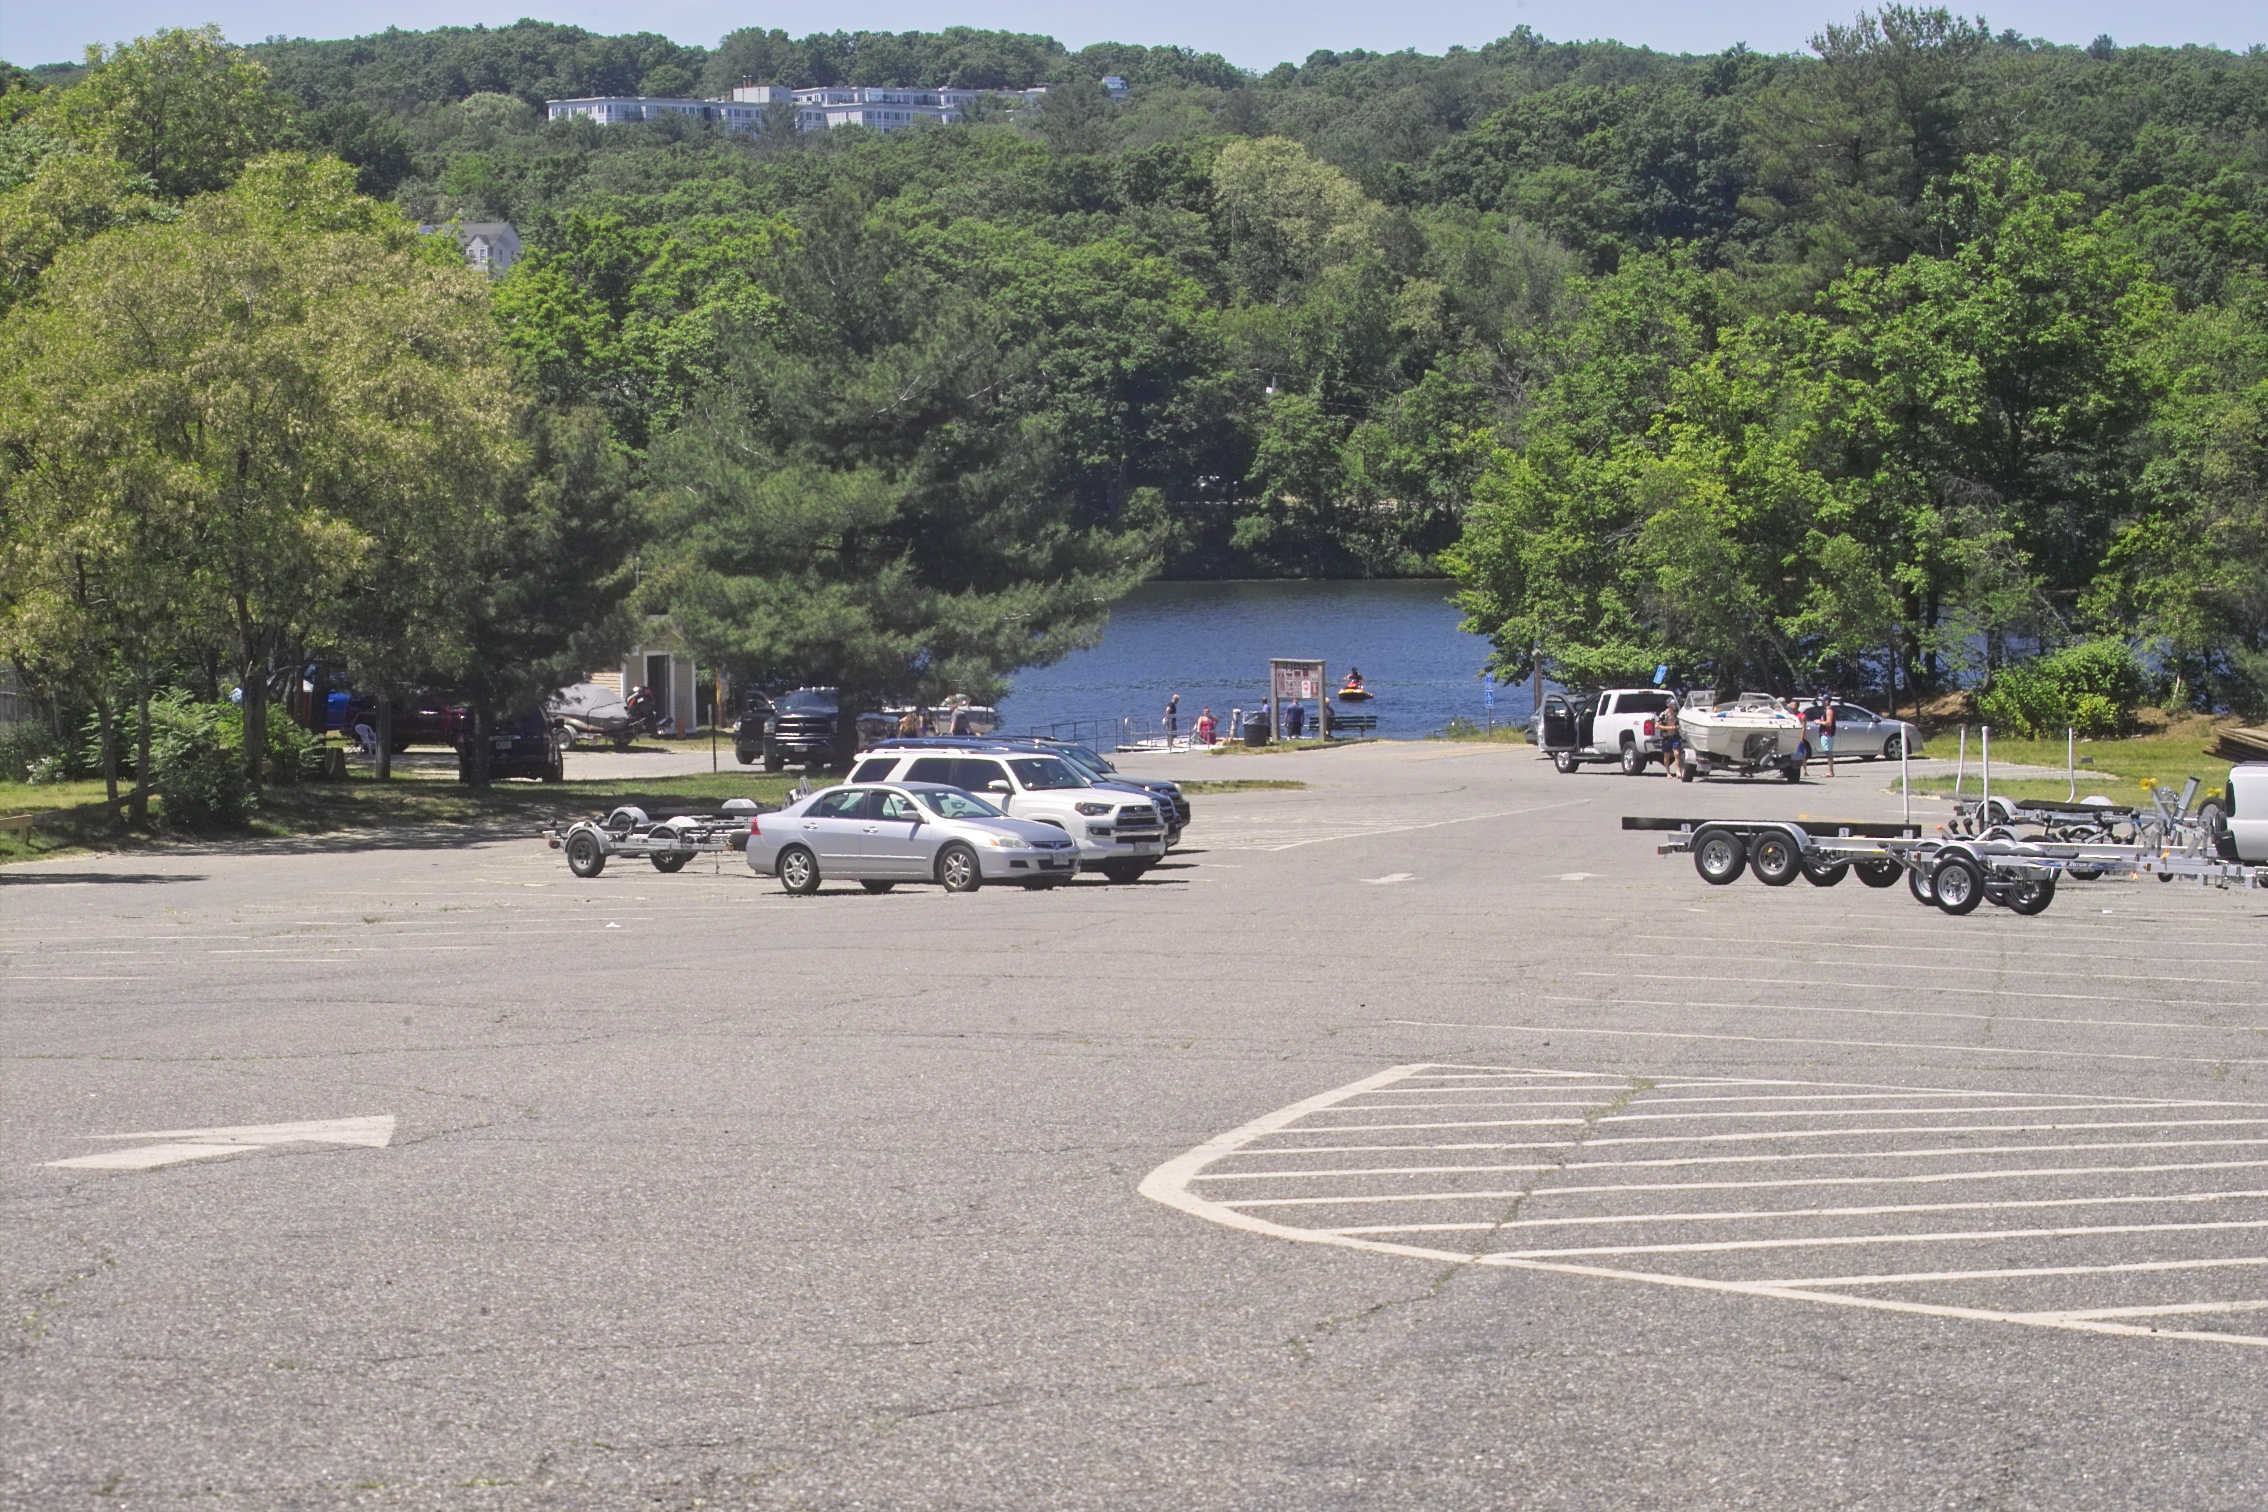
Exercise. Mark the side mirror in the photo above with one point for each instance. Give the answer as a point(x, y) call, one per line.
point(998, 785)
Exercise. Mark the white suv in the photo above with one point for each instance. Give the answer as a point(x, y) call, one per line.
point(1118, 833)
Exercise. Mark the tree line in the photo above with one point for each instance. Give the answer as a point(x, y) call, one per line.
point(1900, 361)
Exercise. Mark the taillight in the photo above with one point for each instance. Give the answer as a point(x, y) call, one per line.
point(1649, 727)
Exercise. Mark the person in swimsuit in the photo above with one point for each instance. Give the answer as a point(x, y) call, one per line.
point(1673, 742)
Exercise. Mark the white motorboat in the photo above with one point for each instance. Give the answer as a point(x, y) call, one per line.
point(1752, 733)
point(983, 719)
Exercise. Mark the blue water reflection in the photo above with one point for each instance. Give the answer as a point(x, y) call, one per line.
point(1211, 643)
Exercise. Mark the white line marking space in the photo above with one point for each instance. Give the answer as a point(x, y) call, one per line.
point(176, 1146)
point(2144, 1235)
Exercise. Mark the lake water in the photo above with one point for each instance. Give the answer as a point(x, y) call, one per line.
point(1211, 643)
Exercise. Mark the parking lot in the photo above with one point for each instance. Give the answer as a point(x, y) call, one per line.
point(1418, 1138)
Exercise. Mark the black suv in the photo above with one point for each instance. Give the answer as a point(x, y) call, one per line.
point(748, 729)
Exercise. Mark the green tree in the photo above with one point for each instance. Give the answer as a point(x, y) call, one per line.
point(182, 108)
point(282, 379)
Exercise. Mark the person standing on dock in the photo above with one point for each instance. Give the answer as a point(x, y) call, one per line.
point(1172, 717)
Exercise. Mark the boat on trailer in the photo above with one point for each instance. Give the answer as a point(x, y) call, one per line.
point(1754, 733)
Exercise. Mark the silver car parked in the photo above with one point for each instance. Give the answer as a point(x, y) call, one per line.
point(882, 834)
point(1860, 734)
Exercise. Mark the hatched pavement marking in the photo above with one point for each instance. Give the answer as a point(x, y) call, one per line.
point(1650, 1239)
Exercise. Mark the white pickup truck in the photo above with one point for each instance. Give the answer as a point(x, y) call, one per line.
point(1614, 726)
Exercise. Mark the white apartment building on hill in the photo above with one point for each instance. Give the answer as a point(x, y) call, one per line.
point(820, 109)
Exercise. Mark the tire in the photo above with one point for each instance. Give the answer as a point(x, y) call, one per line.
point(1879, 873)
point(555, 770)
point(1685, 773)
point(1826, 874)
point(2081, 873)
point(1894, 748)
point(585, 856)
point(669, 865)
point(798, 870)
point(1775, 859)
point(957, 870)
point(774, 761)
point(1565, 761)
point(1719, 857)
point(744, 758)
point(1917, 883)
point(1125, 871)
point(1633, 759)
point(1958, 885)
point(2033, 897)
point(873, 886)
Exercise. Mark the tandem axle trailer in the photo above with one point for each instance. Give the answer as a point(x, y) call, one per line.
point(1956, 873)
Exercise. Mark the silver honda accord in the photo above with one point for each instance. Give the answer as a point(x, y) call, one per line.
point(882, 834)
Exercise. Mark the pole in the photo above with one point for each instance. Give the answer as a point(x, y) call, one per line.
point(2071, 762)
point(1961, 767)
point(1905, 780)
point(1984, 733)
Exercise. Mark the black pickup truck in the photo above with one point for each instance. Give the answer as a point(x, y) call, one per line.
point(797, 727)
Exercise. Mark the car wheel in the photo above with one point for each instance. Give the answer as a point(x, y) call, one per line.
point(957, 870)
point(1879, 873)
point(873, 886)
point(585, 856)
point(2032, 897)
point(1565, 761)
point(1633, 759)
point(1125, 871)
point(744, 758)
point(1958, 885)
point(798, 870)
point(1893, 748)
point(1775, 860)
point(1825, 873)
point(1719, 857)
point(774, 761)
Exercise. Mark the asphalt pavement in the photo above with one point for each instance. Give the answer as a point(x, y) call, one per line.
point(1417, 1139)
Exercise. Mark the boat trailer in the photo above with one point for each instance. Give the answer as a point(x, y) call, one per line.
point(1956, 872)
point(668, 843)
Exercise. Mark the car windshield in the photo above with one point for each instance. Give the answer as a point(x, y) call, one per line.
point(808, 701)
point(1079, 764)
point(949, 804)
point(1043, 773)
point(1087, 757)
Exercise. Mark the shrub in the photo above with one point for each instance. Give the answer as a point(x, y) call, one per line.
point(31, 752)
point(2093, 688)
point(196, 760)
point(294, 751)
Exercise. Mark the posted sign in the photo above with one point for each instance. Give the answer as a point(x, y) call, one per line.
point(1301, 680)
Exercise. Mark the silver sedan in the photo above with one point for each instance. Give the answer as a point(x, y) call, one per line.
point(882, 834)
point(1860, 734)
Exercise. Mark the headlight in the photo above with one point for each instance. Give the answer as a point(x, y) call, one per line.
point(1092, 809)
point(1006, 842)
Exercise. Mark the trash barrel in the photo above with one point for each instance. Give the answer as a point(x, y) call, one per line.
point(1256, 730)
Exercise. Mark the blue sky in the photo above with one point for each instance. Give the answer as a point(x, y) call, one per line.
point(1256, 34)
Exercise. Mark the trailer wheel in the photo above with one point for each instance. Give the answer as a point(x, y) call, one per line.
point(1825, 873)
point(1879, 873)
point(1958, 885)
point(1775, 860)
point(665, 864)
point(1685, 773)
point(1917, 883)
point(585, 856)
point(2032, 897)
point(1719, 857)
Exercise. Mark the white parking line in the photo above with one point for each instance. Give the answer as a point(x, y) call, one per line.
point(1985, 992)
point(1531, 1203)
point(1794, 1039)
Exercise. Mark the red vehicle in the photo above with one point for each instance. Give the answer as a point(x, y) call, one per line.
point(420, 718)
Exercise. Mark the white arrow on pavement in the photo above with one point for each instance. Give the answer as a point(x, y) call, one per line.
point(178, 1145)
